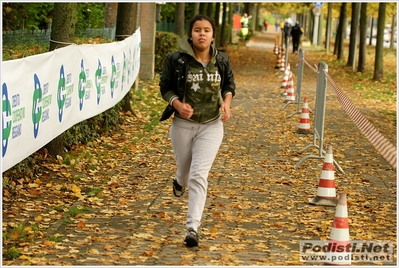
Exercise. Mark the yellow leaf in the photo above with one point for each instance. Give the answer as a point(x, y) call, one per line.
point(14, 235)
point(214, 230)
point(75, 188)
point(49, 243)
point(94, 251)
point(38, 218)
point(81, 224)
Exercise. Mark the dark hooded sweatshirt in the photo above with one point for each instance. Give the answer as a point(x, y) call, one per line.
point(203, 87)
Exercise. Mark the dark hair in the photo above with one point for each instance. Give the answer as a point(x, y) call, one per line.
point(201, 17)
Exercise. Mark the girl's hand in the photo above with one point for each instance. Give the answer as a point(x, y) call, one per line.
point(185, 110)
point(226, 112)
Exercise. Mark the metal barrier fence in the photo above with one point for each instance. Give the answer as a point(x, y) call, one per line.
point(320, 111)
point(384, 147)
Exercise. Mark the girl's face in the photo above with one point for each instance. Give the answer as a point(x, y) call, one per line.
point(202, 34)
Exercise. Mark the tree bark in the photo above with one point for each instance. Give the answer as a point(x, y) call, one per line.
point(361, 67)
point(393, 27)
point(328, 28)
point(179, 30)
point(371, 31)
point(224, 18)
point(353, 34)
point(379, 48)
point(126, 23)
point(110, 14)
point(196, 8)
point(217, 19)
point(210, 9)
point(339, 43)
point(62, 34)
point(203, 8)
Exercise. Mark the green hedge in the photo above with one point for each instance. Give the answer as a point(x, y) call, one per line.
point(165, 43)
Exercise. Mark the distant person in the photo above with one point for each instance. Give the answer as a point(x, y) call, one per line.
point(277, 26)
point(266, 24)
point(296, 33)
point(244, 25)
point(281, 25)
point(282, 31)
point(287, 31)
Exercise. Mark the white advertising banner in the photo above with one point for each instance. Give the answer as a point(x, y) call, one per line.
point(46, 94)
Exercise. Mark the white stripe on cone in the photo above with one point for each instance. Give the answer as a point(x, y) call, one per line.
point(326, 192)
point(327, 174)
point(340, 234)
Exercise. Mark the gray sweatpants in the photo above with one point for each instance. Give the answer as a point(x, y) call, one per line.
point(195, 147)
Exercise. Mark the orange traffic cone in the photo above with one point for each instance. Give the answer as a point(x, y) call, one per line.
point(338, 249)
point(282, 63)
point(278, 61)
point(276, 48)
point(304, 121)
point(285, 77)
point(325, 195)
point(289, 89)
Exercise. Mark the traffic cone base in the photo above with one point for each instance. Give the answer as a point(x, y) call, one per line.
point(304, 131)
point(326, 202)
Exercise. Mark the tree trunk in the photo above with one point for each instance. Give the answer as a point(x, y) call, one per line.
point(328, 28)
point(224, 18)
point(126, 23)
point(361, 67)
point(196, 9)
point(354, 34)
point(393, 27)
point(217, 19)
point(371, 31)
point(338, 35)
point(179, 30)
point(341, 33)
point(210, 10)
point(110, 14)
point(62, 34)
point(203, 8)
point(379, 48)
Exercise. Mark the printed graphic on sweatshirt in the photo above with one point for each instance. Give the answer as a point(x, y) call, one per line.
point(203, 78)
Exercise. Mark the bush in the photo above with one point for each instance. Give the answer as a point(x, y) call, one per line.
point(165, 43)
point(94, 127)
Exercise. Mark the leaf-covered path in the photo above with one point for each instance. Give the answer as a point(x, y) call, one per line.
point(257, 209)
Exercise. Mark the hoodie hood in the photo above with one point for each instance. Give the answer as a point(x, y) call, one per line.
point(186, 47)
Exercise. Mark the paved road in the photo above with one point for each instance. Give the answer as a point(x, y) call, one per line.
point(257, 209)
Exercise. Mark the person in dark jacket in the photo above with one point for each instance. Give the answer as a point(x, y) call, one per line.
point(287, 32)
point(296, 33)
point(198, 84)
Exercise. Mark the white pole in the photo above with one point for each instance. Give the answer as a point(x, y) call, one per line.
point(315, 29)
